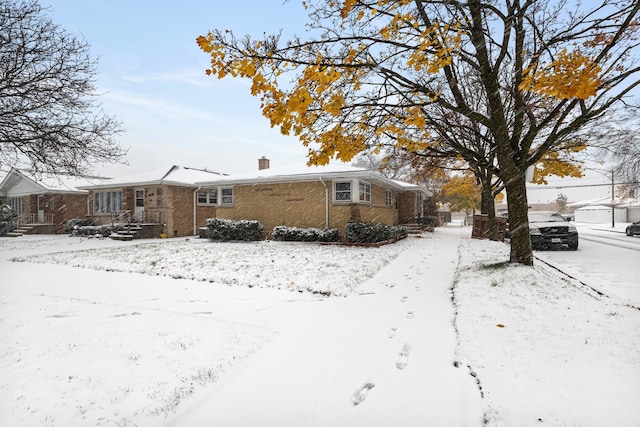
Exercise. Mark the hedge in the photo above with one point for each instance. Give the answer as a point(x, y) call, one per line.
point(430, 221)
point(220, 229)
point(295, 234)
point(360, 232)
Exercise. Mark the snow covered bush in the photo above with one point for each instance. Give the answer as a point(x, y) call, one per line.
point(360, 232)
point(92, 230)
point(7, 215)
point(70, 224)
point(226, 229)
point(295, 234)
point(430, 221)
point(4, 228)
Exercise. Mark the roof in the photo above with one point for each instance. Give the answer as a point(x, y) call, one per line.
point(311, 173)
point(588, 202)
point(19, 183)
point(174, 175)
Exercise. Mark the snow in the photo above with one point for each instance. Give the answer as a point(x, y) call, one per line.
point(299, 173)
point(179, 175)
point(428, 331)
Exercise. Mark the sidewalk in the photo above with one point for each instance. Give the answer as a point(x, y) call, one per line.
point(389, 349)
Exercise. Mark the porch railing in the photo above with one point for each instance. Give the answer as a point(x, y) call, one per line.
point(30, 218)
point(140, 217)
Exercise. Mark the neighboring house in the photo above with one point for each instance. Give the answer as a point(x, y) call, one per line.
point(599, 211)
point(44, 203)
point(322, 197)
point(166, 196)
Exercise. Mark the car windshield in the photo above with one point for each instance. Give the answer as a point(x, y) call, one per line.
point(545, 217)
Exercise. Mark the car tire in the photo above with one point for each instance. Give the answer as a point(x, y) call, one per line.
point(573, 247)
point(629, 232)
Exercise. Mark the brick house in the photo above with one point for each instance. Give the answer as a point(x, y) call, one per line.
point(322, 197)
point(44, 203)
point(162, 196)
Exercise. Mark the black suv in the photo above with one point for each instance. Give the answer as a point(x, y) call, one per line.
point(633, 229)
point(549, 229)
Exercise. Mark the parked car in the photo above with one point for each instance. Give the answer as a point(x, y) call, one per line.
point(633, 229)
point(549, 229)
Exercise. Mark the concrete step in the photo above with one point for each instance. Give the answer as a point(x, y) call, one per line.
point(413, 228)
point(14, 234)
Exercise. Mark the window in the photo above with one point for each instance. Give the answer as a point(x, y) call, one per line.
point(139, 198)
point(388, 198)
point(16, 205)
point(227, 196)
point(208, 198)
point(342, 191)
point(105, 202)
point(364, 192)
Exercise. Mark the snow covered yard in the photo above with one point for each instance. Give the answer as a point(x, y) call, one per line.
point(253, 337)
point(546, 349)
point(318, 268)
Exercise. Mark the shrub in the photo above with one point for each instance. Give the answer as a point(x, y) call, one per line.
point(7, 214)
point(294, 234)
point(80, 222)
point(360, 232)
point(430, 221)
point(225, 229)
point(92, 230)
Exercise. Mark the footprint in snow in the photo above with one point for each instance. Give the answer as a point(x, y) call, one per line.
point(403, 299)
point(409, 314)
point(392, 332)
point(403, 357)
point(361, 393)
point(418, 288)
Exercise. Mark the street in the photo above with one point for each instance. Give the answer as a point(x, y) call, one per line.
point(605, 260)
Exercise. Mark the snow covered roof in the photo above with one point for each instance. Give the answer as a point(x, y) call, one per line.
point(305, 173)
point(19, 183)
point(588, 202)
point(174, 175)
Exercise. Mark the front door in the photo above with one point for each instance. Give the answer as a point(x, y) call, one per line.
point(41, 209)
point(138, 211)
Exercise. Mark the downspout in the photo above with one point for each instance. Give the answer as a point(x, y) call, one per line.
point(326, 204)
point(195, 222)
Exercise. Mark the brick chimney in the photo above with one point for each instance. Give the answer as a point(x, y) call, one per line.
point(263, 163)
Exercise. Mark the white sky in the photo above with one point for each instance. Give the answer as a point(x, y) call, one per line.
point(151, 74)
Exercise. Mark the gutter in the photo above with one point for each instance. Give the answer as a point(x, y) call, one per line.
point(326, 204)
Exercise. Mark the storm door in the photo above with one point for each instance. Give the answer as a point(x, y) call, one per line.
point(138, 211)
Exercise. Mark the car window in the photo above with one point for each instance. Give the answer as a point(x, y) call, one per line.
point(545, 217)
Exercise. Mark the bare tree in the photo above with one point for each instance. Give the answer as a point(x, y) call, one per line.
point(619, 146)
point(50, 119)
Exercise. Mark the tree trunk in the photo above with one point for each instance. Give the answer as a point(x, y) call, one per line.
point(488, 207)
point(519, 220)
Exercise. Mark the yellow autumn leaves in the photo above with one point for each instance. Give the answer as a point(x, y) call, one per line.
point(316, 106)
point(570, 75)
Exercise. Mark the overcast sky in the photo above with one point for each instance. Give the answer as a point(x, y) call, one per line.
point(151, 75)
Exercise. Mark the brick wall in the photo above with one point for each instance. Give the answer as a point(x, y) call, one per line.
point(406, 208)
point(179, 211)
point(292, 204)
point(302, 204)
